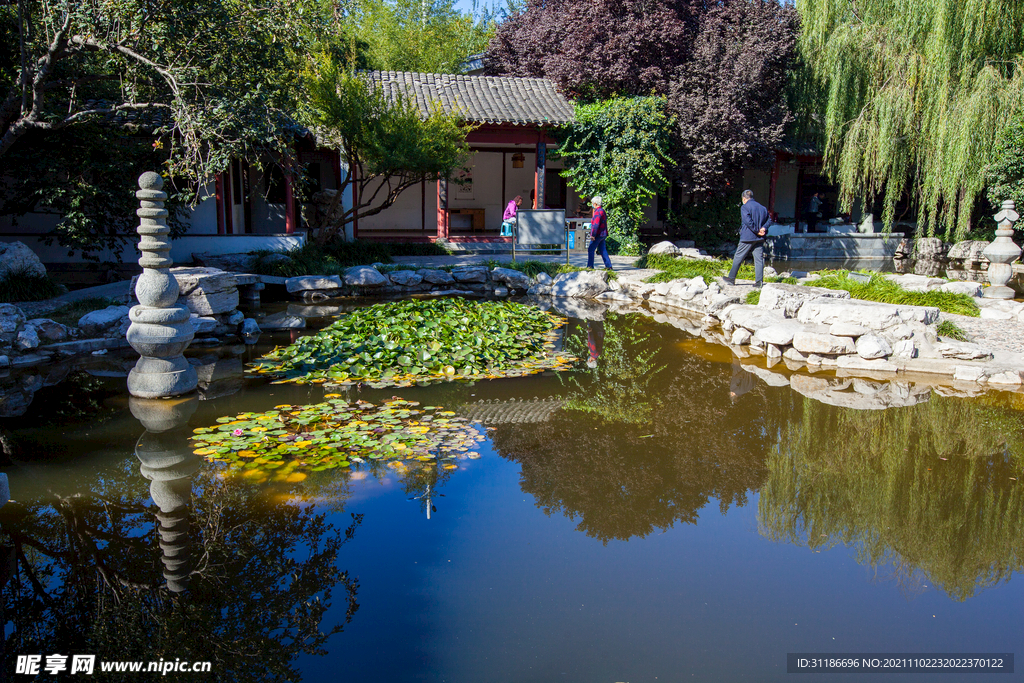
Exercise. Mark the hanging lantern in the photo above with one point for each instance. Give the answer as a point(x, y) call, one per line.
point(517, 160)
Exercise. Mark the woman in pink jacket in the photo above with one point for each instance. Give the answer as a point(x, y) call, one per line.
point(508, 219)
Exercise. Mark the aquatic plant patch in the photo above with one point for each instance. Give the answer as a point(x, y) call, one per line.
point(291, 440)
point(413, 342)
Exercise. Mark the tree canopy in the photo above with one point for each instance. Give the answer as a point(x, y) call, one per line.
point(722, 68)
point(912, 97)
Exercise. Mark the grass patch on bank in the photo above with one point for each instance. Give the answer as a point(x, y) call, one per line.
point(333, 258)
point(680, 268)
point(886, 291)
point(533, 268)
point(24, 286)
point(948, 328)
point(68, 314)
point(753, 298)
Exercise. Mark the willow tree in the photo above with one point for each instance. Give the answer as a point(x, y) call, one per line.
point(913, 94)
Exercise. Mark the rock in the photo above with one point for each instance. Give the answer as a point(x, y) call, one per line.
point(968, 288)
point(234, 318)
point(544, 279)
point(788, 299)
point(539, 290)
point(821, 343)
point(11, 322)
point(717, 302)
point(512, 279)
point(664, 248)
point(303, 283)
point(992, 313)
point(1006, 377)
point(206, 291)
point(501, 291)
point(780, 334)
point(752, 318)
point(847, 330)
point(94, 324)
point(405, 278)
point(904, 250)
point(769, 272)
point(27, 339)
point(875, 316)
point(470, 274)
point(585, 284)
point(203, 324)
point(901, 332)
point(870, 346)
point(970, 373)
point(741, 337)
point(905, 348)
point(773, 351)
point(435, 277)
point(663, 288)
point(49, 331)
point(794, 356)
point(694, 254)
point(282, 321)
point(929, 248)
point(249, 331)
point(364, 276)
point(16, 258)
point(968, 250)
point(962, 350)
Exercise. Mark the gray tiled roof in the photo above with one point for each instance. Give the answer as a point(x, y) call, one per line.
point(482, 99)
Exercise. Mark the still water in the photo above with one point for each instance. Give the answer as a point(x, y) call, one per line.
point(666, 516)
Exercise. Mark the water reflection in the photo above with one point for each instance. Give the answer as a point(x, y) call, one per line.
point(211, 572)
point(926, 495)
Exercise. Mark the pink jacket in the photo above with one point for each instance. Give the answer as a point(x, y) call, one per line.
point(510, 211)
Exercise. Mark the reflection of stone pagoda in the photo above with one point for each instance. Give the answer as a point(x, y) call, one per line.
point(496, 411)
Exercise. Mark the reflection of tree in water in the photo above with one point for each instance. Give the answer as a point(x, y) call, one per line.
point(627, 478)
point(878, 480)
point(90, 579)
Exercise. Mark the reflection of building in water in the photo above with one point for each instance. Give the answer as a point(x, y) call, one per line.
point(512, 411)
point(168, 462)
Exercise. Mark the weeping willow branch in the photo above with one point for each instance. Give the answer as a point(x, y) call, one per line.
point(912, 95)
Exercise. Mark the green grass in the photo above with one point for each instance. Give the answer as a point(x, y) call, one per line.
point(948, 328)
point(886, 291)
point(23, 286)
point(753, 298)
point(68, 314)
point(677, 268)
point(334, 257)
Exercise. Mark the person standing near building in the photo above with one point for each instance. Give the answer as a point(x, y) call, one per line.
point(754, 220)
point(813, 213)
point(598, 234)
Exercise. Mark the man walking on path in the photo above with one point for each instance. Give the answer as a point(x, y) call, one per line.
point(598, 234)
point(754, 222)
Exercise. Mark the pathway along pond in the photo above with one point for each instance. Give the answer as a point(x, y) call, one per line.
point(665, 516)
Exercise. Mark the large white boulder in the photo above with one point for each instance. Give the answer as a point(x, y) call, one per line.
point(875, 316)
point(365, 276)
point(822, 343)
point(780, 334)
point(871, 346)
point(513, 279)
point(206, 291)
point(584, 284)
point(405, 278)
point(787, 299)
point(435, 277)
point(94, 324)
point(665, 247)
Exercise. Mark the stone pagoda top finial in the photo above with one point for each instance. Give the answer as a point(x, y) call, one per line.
point(151, 181)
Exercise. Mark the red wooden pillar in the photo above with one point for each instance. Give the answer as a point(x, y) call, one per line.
point(442, 208)
point(221, 204)
point(289, 204)
point(539, 174)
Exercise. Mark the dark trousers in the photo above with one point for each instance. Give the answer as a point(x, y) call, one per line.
point(742, 251)
point(595, 244)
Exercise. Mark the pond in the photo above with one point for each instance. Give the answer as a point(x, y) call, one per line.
point(665, 515)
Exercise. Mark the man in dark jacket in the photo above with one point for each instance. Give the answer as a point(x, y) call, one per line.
point(754, 222)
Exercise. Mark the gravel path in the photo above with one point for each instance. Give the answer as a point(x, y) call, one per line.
point(998, 335)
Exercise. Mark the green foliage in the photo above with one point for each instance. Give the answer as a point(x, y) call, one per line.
point(886, 291)
point(753, 298)
point(928, 490)
point(1006, 173)
point(286, 443)
point(948, 328)
point(385, 140)
point(407, 342)
point(679, 268)
point(709, 221)
point(912, 97)
point(617, 388)
point(25, 286)
point(426, 36)
point(618, 149)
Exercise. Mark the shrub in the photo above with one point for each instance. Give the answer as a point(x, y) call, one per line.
point(24, 286)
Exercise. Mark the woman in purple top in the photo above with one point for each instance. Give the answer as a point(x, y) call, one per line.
point(512, 209)
point(598, 234)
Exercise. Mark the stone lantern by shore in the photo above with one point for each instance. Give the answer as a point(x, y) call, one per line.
point(160, 328)
point(1001, 253)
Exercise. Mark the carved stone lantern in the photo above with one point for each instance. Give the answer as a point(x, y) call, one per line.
point(1001, 253)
